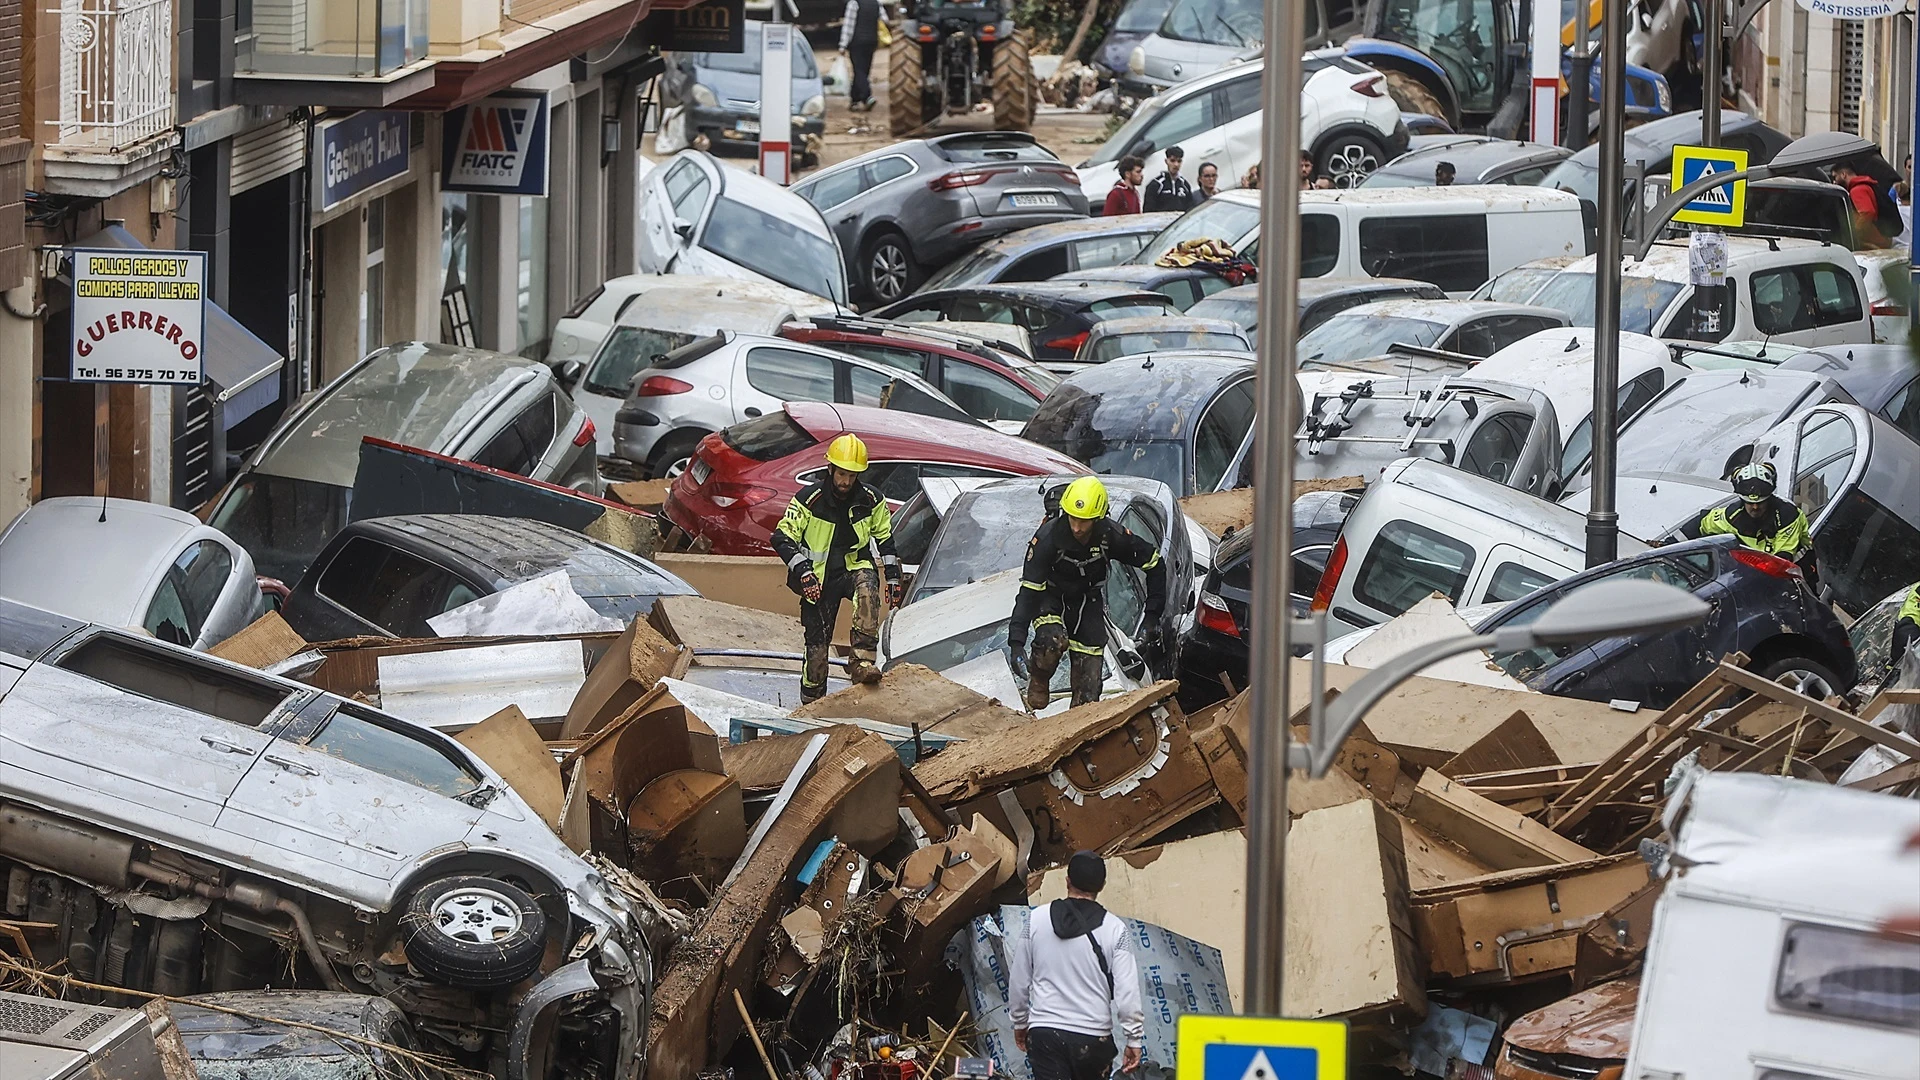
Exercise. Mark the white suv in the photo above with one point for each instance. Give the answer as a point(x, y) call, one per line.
point(1347, 120)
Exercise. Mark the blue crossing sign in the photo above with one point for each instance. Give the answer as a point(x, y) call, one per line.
point(1260, 1048)
point(1724, 206)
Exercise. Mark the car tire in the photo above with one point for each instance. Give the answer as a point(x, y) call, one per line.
point(1349, 157)
point(1014, 87)
point(1413, 96)
point(907, 108)
point(1811, 677)
point(888, 271)
point(473, 933)
point(673, 454)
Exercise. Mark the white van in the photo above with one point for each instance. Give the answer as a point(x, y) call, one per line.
point(1455, 237)
point(1425, 528)
point(1766, 957)
point(1796, 292)
point(648, 315)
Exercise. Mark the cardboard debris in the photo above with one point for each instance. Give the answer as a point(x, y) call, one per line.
point(1350, 940)
point(750, 581)
point(1515, 744)
point(688, 822)
point(1519, 924)
point(262, 643)
point(942, 887)
point(702, 624)
point(1031, 749)
point(508, 743)
point(636, 660)
point(1430, 620)
point(647, 496)
point(654, 737)
point(1488, 832)
point(1220, 512)
point(909, 694)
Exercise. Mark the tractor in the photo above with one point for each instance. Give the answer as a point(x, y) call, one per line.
point(950, 56)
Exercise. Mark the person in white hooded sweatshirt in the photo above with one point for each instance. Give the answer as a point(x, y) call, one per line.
point(1072, 972)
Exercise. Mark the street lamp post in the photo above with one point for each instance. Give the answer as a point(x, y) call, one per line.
point(1603, 521)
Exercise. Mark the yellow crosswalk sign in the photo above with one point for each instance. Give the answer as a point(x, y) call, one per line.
point(1725, 206)
point(1260, 1048)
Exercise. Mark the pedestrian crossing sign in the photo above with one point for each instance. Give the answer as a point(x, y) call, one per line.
point(1723, 206)
point(1260, 1048)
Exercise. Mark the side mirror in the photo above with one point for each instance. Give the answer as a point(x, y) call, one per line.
point(1143, 147)
point(683, 229)
point(568, 372)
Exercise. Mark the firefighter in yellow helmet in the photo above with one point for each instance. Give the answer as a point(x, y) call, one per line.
point(831, 536)
point(1063, 594)
point(1762, 521)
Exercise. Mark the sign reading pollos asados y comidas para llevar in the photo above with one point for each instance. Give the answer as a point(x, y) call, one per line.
point(497, 145)
point(138, 316)
point(359, 151)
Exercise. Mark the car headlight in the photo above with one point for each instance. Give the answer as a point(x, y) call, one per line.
point(815, 106)
point(703, 95)
point(1137, 60)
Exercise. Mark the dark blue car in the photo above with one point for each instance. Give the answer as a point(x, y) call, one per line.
point(1761, 606)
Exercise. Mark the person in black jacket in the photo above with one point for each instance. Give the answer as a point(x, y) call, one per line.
point(1063, 595)
point(859, 37)
point(1169, 190)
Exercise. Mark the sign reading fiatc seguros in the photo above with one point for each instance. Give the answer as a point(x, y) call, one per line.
point(497, 146)
point(138, 316)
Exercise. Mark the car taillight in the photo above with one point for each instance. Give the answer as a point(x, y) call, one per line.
point(1890, 308)
point(726, 496)
point(1213, 615)
point(989, 32)
point(1765, 563)
point(1069, 344)
point(660, 386)
point(959, 179)
point(926, 32)
point(1371, 86)
point(585, 438)
point(1330, 577)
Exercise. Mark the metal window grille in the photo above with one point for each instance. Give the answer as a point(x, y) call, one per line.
point(116, 71)
point(1853, 62)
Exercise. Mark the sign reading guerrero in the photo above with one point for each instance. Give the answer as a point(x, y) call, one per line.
point(497, 146)
point(138, 316)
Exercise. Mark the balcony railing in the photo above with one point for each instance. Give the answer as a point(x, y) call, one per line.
point(116, 72)
point(334, 37)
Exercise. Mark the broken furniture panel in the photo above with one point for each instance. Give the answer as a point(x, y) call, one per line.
point(636, 660)
point(262, 643)
point(1514, 744)
point(1492, 834)
point(749, 581)
point(454, 689)
point(1033, 748)
point(1520, 924)
point(909, 694)
point(512, 748)
point(941, 887)
point(1351, 947)
point(686, 823)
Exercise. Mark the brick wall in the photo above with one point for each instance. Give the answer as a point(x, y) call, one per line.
point(13, 149)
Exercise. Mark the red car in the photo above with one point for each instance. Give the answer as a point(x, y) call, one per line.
point(741, 479)
point(993, 385)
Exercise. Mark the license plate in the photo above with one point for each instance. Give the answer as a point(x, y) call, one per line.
point(700, 470)
point(751, 127)
point(1033, 200)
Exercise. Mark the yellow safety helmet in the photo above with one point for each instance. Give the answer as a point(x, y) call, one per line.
point(1085, 498)
point(849, 453)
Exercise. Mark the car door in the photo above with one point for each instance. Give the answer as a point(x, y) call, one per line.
point(833, 195)
point(1240, 133)
point(138, 735)
point(1650, 669)
point(1808, 304)
point(346, 790)
point(690, 193)
point(1218, 436)
point(657, 242)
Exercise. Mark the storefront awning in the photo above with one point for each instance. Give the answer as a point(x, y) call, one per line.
point(243, 369)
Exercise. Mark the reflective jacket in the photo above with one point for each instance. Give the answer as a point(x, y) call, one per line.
point(805, 534)
point(1781, 528)
point(1906, 628)
point(1057, 563)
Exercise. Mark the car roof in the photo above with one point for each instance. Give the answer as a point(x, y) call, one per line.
point(956, 442)
point(1064, 292)
point(1671, 260)
point(416, 393)
point(1559, 363)
point(1038, 236)
point(269, 1023)
point(1136, 398)
point(762, 194)
point(1871, 373)
point(1491, 195)
point(119, 558)
point(710, 300)
point(1133, 273)
point(1172, 322)
point(1658, 137)
point(1515, 508)
point(1316, 288)
point(1471, 155)
point(1449, 312)
point(514, 550)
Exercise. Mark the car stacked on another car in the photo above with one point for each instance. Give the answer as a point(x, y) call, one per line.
point(1058, 316)
point(1476, 159)
point(903, 209)
point(1178, 418)
point(1044, 252)
point(1320, 299)
point(698, 217)
point(740, 480)
point(1117, 338)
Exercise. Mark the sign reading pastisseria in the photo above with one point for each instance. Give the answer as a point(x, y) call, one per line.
point(138, 316)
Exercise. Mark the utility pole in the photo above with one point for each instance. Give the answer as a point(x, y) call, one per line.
point(1274, 426)
point(1603, 520)
point(1580, 75)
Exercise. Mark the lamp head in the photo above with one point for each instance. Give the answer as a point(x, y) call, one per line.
point(1820, 149)
point(1611, 608)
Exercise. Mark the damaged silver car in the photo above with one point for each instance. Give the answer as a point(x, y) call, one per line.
point(185, 825)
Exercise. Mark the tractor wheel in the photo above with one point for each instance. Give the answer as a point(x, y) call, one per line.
point(1413, 96)
point(1014, 87)
point(906, 100)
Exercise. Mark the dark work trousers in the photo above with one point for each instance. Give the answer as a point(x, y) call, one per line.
point(1075, 625)
point(860, 56)
point(1068, 1055)
point(863, 588)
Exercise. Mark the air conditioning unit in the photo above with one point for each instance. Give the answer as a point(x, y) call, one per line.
point(44, 1039)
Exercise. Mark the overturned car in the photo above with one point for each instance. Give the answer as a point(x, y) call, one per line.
point(180, 825)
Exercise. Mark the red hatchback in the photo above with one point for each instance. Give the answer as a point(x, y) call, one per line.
point(991, 384)
point(741, 479)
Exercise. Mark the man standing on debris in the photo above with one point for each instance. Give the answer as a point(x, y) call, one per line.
point(828, 538)
point(1063, 594)
point(1762, 520)
point(1061, 990)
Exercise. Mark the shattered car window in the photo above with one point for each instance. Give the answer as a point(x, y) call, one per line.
point(983, 536)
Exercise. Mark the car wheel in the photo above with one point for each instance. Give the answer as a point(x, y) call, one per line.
point(1810, 677)
point(887, 269)
point(1348, 158)
point(674, 455)
point(475, 933)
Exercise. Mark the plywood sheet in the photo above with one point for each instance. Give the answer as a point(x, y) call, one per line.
point(1350, 947)
point(968, 768)
point(507, 742)
point(699, 623)
point(1515, 744)
point(910, 694)
point(1502, 838)
point(638, 658)
point(263, 642)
